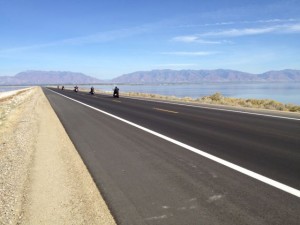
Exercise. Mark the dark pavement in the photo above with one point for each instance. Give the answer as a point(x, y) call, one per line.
point(148, 180)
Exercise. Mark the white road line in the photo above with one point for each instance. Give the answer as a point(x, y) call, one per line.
point(240, 169)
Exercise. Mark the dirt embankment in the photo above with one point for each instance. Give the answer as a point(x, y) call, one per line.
point(42, 178)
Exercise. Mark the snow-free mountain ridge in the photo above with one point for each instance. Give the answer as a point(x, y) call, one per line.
point(33, 77)
point(151, 77)
point(197, 76)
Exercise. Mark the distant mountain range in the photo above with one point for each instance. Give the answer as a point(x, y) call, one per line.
point(34, 77)
point(155, 76)
point(197, 76)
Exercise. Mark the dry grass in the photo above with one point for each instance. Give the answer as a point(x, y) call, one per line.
point(219, 99)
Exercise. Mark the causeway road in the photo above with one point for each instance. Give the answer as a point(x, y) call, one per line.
point(160, 163)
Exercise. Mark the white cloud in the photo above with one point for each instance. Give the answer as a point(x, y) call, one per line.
point(274, 21)
point(286, 28)
point(226, 23)
point(189, 53)
point(198, 40)
point(294, 28)
point(194, 39)
point(188, 39)
point(266, 26)
point(238, 32)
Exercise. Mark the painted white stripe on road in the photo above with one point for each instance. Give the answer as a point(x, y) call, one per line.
point(240, 169)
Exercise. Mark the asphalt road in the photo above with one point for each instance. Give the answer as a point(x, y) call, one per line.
point(148, 180)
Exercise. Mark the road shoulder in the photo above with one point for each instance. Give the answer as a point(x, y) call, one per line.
point(44, 174)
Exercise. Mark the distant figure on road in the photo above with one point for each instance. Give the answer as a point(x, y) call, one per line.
point(92, 91)
point(57, 86)
point(63, 87)
point(76, 88)
point(116, 92)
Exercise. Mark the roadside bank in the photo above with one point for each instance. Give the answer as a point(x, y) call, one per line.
point(43, 179)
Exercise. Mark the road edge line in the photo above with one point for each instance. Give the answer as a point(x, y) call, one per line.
point(235, 167)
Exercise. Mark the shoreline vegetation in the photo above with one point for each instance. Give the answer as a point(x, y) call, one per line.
point(214, 99)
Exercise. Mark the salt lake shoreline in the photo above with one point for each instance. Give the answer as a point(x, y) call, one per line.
point(217, 100)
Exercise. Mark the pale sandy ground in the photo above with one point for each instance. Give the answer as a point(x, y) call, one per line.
point(42, 178)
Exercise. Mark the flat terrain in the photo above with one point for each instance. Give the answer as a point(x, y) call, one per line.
point(43, 179)
point(148, 180)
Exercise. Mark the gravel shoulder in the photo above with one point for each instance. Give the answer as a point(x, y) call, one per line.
point(42, 177)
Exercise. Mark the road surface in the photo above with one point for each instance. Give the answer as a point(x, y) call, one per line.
point(147, 179)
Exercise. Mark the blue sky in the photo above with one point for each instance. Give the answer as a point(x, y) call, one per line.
point(109, 38)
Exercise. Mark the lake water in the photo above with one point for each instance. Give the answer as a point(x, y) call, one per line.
point(11, 88)
point(282, 92)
